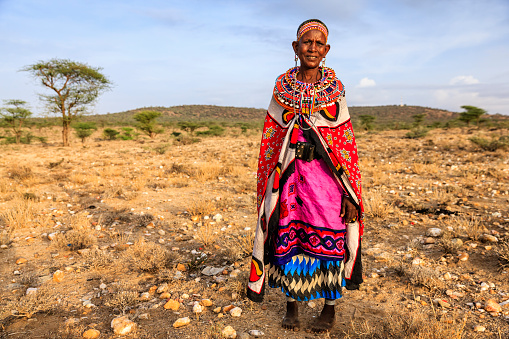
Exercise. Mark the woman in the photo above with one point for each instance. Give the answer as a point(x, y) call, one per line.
point(309, 194)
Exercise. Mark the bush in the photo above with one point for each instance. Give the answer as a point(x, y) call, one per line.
point(148, 256)
point(84, 130)
point(110, 133)
point(418, 132)
point(491, 145)
point(213, 130)
point(127, 133)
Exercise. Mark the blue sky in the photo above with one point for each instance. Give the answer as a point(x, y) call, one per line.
point(434, 53)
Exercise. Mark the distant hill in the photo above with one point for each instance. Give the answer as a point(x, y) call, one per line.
point(393, 115)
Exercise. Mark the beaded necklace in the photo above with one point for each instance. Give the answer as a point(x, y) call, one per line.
point(307, 98)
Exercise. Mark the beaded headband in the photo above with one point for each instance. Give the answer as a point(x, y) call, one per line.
point(312, 25)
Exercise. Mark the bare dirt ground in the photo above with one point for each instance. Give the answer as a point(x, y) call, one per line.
point(91, 233)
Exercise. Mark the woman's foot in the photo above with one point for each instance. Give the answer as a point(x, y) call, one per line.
point(291, 319)
point(326, 319)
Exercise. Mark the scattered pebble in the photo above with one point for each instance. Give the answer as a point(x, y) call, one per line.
point(434, 232)
point(236, 312)
point(256, 333)
point(479, 328)
point(122, 325)
point(58, 276)
point(172, 305)
point(91, 334)
point(229, 332)
point(492, 306)
point(181, 322)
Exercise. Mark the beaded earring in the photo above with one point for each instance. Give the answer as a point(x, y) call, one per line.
point(296, 59)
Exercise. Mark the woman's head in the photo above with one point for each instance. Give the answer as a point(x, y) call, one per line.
point(312, 24)
point(311, 44)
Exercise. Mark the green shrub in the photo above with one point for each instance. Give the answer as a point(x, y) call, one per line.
point(213, 130)
point(418, 132)
point(491, 145)
point(84, 130)
point(110, 133)
point(127, 133)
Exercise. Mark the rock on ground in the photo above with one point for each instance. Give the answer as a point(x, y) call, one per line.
point(229, 332)
point(181, 322)
point(91, 334)
point(122, 325)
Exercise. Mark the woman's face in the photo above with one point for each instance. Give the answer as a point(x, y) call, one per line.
point(311, 49)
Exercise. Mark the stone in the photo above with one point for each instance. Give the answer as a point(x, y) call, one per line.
point(31, 290)
point(181, 267)
point(122, 325)
point(443, 303)
point(217, 218)
point(479, 328)
point(210, 271)
point(434, 232)
point(228, 308)
point(91, 334)
point(229, 332)
point(243, 335)
point(185, 296)
point(256, 333)
point(206, 302)
point(447, 276)
point(161, 232)
point(165, 295)
point(143, 316)
point(417, 261)
point(429, 240)
point(181, 322)
point(58, 276)
point(102, 286)
point(21, 261)
point(217, 309)
point(145, 296)
point(492, 306)
point(488, 238)
point(236, 312)
point(197, 308)
point(172, 305)
point(457, 242)
point(463, 257)
point(162, 288)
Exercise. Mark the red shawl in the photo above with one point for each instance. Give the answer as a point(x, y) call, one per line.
point(331, 130)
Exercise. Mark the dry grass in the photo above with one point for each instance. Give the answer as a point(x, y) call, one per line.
point(376, 204)
point(241, 246)
point(122, 300)
point(414, 325)
point(43, 300)
point(200, 207)
point(98, 259)
point(503, 255)
point(209, 171)
point(21, 215)
point(207, 234)
point(74, 240)
point(473, 227)
point(20, 172)
point(147, 256)
point(448, 243)
point(422, 276)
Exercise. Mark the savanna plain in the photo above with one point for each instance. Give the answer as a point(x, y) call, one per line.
point(155, 236)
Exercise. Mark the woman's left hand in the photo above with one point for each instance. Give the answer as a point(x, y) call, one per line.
point(348, 211)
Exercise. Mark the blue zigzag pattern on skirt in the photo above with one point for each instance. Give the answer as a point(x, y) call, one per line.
point(306, 278)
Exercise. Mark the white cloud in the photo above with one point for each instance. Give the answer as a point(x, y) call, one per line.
point(464, 80)
point(366, 82)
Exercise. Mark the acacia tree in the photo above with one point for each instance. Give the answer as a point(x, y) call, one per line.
point(75, 85)
point(146, 122)
point(471, 113)
point(15, 116)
